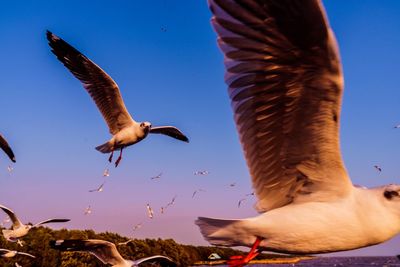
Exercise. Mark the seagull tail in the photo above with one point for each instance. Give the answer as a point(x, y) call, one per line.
point(222, 232)
point(106, 147)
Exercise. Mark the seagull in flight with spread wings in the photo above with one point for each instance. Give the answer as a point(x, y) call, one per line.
point(285, 84)
point(18, 229)
point(107, 253)
point(105, 93)
point(6, 148)
point(6, 253)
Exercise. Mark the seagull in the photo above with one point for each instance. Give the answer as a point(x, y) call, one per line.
point(232, 184)
point(107, 252)
point(18, 229)
point(156, 177)
point(150, 212)
point(172, 202)
point(99, 189)
point(106, 173)
point(378, 168)
point(105, 93)
point(10, 169)
point(5, 253)
point(6, 148)
point(125, 243)
point(197, 191)
point(201, 173)
point(88, 210)
point(20, 242)
point(137, 226)
point(285, 84)
point(250, 194)
point(397, 126)
point(240, 202)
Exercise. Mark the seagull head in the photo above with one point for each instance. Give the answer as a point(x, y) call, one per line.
point(146, 126)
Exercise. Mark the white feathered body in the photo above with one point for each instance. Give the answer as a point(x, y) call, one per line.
point(360, 220)
point(125, 137)
point(14, 234)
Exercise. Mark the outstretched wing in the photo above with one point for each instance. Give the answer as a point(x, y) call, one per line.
point(101, 87)
point(170, 131)
point(105, 251)
point(16, 222)
point(26, 254)
point(6, 148)
point(157, 259)
point(285, 83)
point(51, 221)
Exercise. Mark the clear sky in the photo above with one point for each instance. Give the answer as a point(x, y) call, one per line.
point(163, 55)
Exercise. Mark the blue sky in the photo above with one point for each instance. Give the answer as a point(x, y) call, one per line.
point(164, 57)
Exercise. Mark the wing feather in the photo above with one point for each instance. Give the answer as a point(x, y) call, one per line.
point(6, 148)
point(100, 86)
point(285, 83)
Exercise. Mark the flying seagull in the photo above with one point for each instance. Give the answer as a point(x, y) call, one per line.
point(285, 84)
point(201, 173)
point(88, 210)
point(105, 93)
point(6, 253)
point(6, 148)
point(150, 212)
point(106, 173)
point(107, 253)
point(18, 229)
point(98, 189)
point(197, 191)
point(157, 176)
point(378, 168)
point(241, 201)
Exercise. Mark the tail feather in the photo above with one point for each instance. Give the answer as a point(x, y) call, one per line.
point(106, 147)
point(222, 232)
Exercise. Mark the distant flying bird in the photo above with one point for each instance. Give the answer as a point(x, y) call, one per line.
point(6, 253)
point(98, 189)
point(240, 202)
point(250, 194)
point(157, 176)
point(107, 253)
point(232, 184)
point(378, 168)
point(285, 83)
point(137, 226)
point(18, 229)
point(197, 191)
point(397, 126)
point(201, 173)
point(6, 148)
point(10, 169)
point(20, 242)
point(172, 202)
point(6, 220)
point(105, 93)
point(150, 212)
point(125, 243)
point(106, 173)
point(88, 210)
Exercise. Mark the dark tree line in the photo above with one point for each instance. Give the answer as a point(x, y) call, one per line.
point(37, 243)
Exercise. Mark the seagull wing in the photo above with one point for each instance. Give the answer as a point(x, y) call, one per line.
point(105, 251)
point(157, 259)
point(51, 221)
point(6, 148)
point(3, 251)
point(170, 131)
point(16, 222)
point(26, 254)
point(101, 87)
point(285, 84)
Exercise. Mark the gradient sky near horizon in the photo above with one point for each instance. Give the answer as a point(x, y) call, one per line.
point(164, 57)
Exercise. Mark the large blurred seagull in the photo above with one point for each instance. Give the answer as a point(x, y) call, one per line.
point(6, 148)
point(285, 84)
point(18, 229)
point(107, 252)
point(105, 93)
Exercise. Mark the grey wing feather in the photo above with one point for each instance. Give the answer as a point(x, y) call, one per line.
point(101, 87)
point(160, 260)
point(6, 148)
point(285, 83)
point(105, 251)
point(16, 222)
point(170, 131)
point(26, 254)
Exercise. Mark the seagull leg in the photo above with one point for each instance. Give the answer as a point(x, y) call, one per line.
point(111, 156)
point(119, 158)
point(240, 261)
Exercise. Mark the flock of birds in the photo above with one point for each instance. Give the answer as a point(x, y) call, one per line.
point(285, 82)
